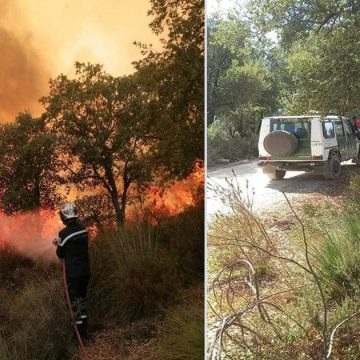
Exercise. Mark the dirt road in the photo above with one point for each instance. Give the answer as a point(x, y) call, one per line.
point(268, 193)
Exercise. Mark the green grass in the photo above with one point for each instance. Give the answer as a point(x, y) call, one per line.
point(338, 257)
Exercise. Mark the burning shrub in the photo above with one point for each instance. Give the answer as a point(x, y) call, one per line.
point(132, 276)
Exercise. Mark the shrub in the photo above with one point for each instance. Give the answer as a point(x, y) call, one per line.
point(43, 329)
point(183, 237)
point(132, 276)
point(13, 267)
point(338, 258)
point(182, 333)
point(222, 146)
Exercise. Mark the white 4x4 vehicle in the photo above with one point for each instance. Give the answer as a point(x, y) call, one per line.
point(307, 143)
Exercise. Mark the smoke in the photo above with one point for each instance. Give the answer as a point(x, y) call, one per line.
point(41, 39)
point(22, 77)
point(31, 233)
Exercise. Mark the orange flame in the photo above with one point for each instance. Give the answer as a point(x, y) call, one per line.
point(168, 201)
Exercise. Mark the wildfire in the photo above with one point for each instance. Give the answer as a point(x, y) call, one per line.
point(31, 233)
point(174, 199)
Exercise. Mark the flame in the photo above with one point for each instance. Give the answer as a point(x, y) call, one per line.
point(172, 200)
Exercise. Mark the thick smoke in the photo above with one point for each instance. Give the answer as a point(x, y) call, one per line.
point(22, 76)
point(31, 233)
point(41, 39)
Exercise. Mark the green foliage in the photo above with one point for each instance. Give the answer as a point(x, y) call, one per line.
point(241, 87)
point(182, 332)
point(222, 145)
point(237, 74)
point(327, 68)
point(338, 258)
point(296, 19)
point(175, 79)
point(318, 46)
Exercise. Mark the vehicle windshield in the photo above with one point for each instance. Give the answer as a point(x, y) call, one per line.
point(300, 129)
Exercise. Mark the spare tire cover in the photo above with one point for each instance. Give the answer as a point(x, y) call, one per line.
point(280, 143)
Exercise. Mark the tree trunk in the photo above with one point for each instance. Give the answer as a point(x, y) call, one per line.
point(120, 219)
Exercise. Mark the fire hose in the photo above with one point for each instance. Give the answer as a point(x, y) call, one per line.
point(78, 336)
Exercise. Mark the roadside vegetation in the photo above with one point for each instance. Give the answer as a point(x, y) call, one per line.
point(271, 58)
point(285, 288)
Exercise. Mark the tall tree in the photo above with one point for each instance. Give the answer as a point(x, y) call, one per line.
point(176, 77)
point(240, 87)
point(101, 132)
point(320, 46)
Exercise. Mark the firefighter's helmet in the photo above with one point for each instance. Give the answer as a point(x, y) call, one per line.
point(68, 212)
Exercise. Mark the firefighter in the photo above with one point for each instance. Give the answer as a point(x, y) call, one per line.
point(72, 248)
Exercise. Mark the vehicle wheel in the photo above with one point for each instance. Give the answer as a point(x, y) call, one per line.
point(275, 174)
point(357, 159)
point(334, 168)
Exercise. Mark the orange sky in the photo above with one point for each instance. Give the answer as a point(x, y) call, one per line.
point(41, 38)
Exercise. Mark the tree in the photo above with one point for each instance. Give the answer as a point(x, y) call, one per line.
point(319, 46)
point(101, 130)
point(295, 19)
point(175, 77)
point(240, 86)
point(26, 165)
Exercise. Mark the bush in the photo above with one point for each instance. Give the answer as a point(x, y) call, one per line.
point(222, 146)
point(13, 267)
point(182, 333)
point(338, 258)
point(183, 237)
point(132, 276)
point(40, 317)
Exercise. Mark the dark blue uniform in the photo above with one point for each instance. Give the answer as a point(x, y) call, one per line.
point(73, 249)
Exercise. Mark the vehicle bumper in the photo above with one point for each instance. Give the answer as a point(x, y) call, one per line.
point(305, 165)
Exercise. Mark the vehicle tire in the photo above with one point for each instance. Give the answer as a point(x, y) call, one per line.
point(276, 174)
point(334, 167)
point(281, 143)
point(357, 159)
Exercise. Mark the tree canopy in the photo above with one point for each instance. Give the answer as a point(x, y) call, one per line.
point(27, 180)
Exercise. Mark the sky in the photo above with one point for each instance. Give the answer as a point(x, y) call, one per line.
point(39, 39)
point(213, 6)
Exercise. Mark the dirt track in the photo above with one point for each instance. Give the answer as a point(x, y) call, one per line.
point(268, 193)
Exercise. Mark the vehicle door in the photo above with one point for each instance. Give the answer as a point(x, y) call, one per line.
point(340, 138)
point(350, 140)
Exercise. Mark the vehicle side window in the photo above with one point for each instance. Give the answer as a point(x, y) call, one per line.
point(348, 129)
point(339, 129)
point(328, 129)
point(351, 127)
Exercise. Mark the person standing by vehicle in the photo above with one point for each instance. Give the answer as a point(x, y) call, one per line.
point(72, 248)
point(356, 119)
